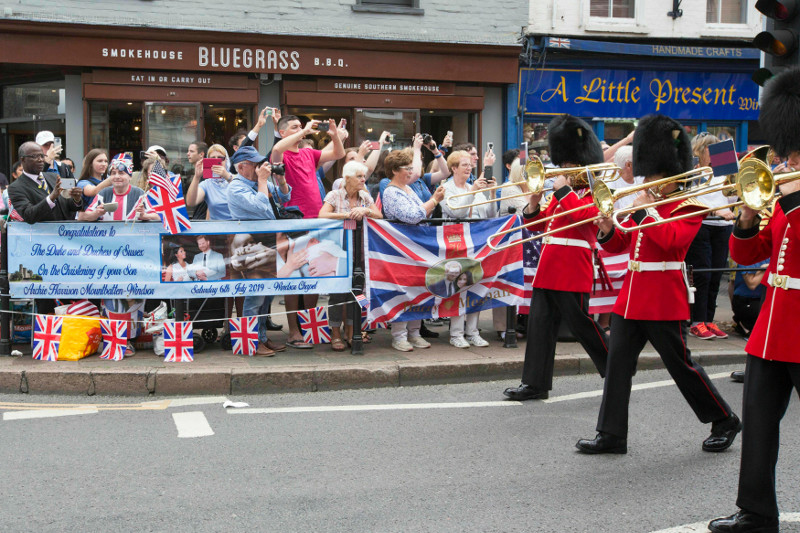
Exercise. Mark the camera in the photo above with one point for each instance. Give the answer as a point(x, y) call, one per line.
point(426, 139)
point(278, 169)
point(390, 137)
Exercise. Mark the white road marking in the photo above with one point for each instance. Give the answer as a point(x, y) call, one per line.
point(380, 407)
point(192, 424)
point(786, 518)
point(200, 400)
point(46, 413)
point(642, 386)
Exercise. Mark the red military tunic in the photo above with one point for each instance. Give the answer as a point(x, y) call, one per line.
point(565, 262)
point(656, 295)
point(774, 337)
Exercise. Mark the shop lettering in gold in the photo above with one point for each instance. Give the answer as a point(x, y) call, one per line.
point(599, 90)
point(665, 92)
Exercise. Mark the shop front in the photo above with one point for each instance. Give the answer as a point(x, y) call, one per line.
point(127, 93)
point(707, 94)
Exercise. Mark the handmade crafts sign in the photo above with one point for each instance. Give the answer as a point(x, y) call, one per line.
point(73, 260)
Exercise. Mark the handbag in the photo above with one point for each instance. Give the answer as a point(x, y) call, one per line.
point(283, 212)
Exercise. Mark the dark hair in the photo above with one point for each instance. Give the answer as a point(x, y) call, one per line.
point(469, 278)
point(88, 161)
point(174, 255)
point(202, 147)
point(284, 121)
point(236, 139)
point(68, 159)
point(397, 159)
point(15, 166)
point(201, 236)
point(509, 156)
point(466, 147)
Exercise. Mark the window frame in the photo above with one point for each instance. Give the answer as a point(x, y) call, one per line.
point(718, 24)
point(615, 25)
point(388, 7)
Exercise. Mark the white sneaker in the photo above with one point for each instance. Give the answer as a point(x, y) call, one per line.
point(459, 342)
point(477, 340)
point(418, 342)
point(402, 346)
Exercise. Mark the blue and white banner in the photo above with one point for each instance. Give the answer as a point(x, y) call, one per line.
point(216, 259)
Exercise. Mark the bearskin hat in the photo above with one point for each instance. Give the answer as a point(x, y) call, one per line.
point(571, 140)
point(661, 146)
point(779, 117)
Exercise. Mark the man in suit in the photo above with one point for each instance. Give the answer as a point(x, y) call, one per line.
point(36, 196)
point(208, 264)
point(446, 286)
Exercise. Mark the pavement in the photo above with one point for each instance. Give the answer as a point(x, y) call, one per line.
point(216, 371)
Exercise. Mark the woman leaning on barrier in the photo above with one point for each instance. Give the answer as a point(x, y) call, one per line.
point(349, 202)
point(401, 203)
point(458, 204)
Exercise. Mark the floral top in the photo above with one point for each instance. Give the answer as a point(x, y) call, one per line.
point(399, 205)
point(338, 199)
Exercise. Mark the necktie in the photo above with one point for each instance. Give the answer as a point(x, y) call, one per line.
point(204, 259)
point(42, 183)
point(449, 288)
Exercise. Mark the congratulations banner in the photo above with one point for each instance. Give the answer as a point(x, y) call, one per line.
point(216, 259)
point(635, 93)
point(416, 272)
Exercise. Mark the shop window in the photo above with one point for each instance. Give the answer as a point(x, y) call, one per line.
point(535, 134)
point(223, 121)
point(34, 99)
point(403, 7)
point(117, 127)
point(612, 8)
point(173, 127)
point(723, 133)
point(726, 11)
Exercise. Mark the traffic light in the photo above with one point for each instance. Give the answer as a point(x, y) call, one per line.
point(779, 41)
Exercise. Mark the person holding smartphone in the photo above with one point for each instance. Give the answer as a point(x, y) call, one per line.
point(52, 148)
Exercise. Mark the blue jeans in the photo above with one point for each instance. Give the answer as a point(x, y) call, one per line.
point(257, 305)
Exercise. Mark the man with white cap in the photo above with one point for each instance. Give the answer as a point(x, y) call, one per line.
point(52, 151)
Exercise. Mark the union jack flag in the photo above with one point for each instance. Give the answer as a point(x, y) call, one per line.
point(178, 342)
point(244, 335)
point(531, 251)
point(46, 337)
point(404, 285)
point(314, 323)
point(559, 42)
point(603, 296)
point(115, 339)
point(165, 197)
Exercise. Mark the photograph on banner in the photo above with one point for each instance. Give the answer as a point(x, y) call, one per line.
point(128, 263)
point(419, 272)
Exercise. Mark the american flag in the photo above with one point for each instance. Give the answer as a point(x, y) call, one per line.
point(115, 339)
point(178, 342)
point(314, 323)
point(83, 308)
point(531, 251)
point(244, 335)
point(399, 258)
point(46, 337)
point(603, 298)
point(165, 197)
point(560, 42)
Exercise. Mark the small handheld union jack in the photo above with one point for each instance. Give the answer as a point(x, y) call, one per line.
point(46, 337)
point(244, 335)
point(115, 339)
point(178, 342)
point(165, 197)
point(314, 323)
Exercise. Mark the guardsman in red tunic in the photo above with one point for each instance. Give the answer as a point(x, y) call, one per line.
point(565, 271)
point(653, 304)
point(773, 360)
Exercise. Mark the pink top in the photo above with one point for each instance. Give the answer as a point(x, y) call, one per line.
point(301, 175)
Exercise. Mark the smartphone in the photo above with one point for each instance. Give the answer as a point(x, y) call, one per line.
point(268, 112)
point(57, 141)
point(489, 146)
point(343, 123)
point(374, 145)
point(450, 134)
point(323, 126)
point(209, 162)
point(66, 185)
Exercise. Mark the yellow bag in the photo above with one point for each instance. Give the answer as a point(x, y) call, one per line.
point(80, 336)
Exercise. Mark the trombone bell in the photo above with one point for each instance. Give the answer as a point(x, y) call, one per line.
point(756, 184)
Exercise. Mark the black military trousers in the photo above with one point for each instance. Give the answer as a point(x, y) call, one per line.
point(668, 337)
point(548, 307)
point(767, 390)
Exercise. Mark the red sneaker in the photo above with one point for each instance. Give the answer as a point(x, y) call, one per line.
point(713, 328)
point(701, 332)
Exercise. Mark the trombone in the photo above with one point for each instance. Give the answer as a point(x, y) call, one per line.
point(535, 175)
point(604, 198)
point(754, 184)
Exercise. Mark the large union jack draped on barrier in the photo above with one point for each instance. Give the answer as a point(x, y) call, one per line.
point(407, 269)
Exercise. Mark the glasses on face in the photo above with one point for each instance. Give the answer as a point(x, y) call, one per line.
point(407, 169)
point(703, 134)
point(37, 157)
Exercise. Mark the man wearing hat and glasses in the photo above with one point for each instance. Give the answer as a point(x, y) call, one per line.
point(653, 304)
point(773, 358)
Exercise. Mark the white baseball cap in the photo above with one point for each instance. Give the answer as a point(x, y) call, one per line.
point(44, 137)
point(154, 148)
